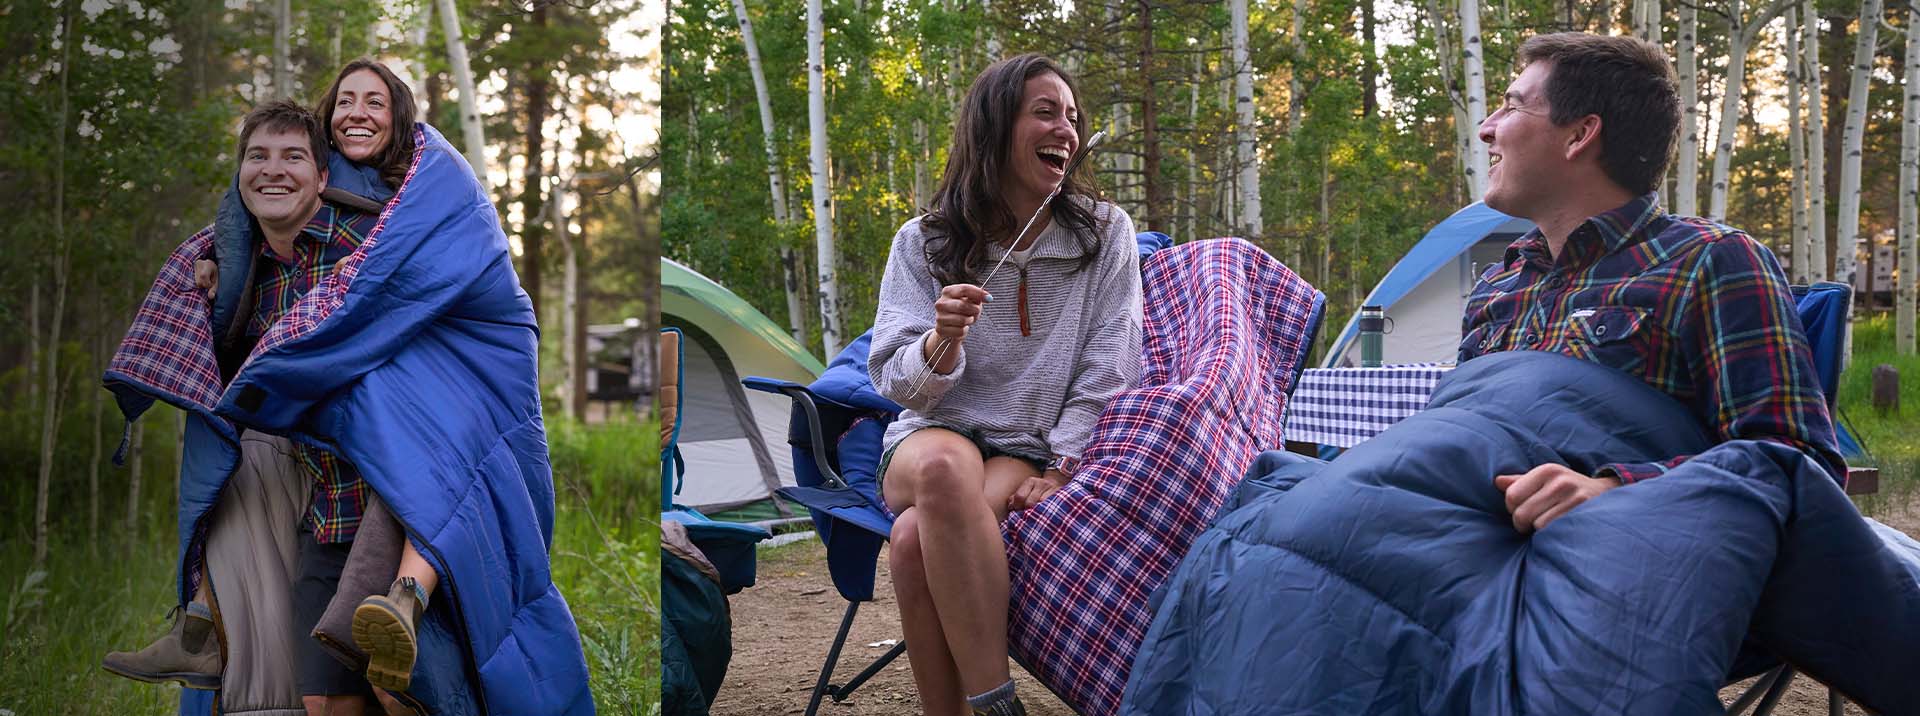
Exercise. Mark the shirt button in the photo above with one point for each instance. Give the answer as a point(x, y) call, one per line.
point(1533, 339)
point(1555, 282)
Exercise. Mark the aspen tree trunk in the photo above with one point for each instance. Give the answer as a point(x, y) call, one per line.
point(93, 463)
point(471, 132)
point(776, 179)
point(62, 267)
point(417, 35)
point(1903, 338)
point(1296, 104)
point(1741, 37)
point(1476, 93)
point(1816, 147)
point(1686, 195)
point(1802, 251)
point(134, 461)
point(1852, 140)
point(1244, 153)
point(1465, 133)
point(826, 259)
point(282, 66)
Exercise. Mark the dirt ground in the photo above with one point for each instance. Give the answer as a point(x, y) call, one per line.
point(783, 625)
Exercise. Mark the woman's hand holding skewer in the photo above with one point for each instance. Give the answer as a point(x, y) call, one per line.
point(953, 312)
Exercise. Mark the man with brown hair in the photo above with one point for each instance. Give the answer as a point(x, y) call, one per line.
point(279, 488)
point(1699, 310)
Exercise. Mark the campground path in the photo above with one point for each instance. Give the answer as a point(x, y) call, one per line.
point(783, 625)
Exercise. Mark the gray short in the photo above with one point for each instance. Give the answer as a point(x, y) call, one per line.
point(986, 453)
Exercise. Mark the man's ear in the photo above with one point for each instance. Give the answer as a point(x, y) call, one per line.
point(1583, 136)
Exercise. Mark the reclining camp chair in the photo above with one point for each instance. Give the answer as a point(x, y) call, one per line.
point(1824, 308)
point(1227, 332)
point(701, 562)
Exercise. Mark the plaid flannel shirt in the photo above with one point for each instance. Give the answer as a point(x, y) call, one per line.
point(339, 495)
point(1696, 309)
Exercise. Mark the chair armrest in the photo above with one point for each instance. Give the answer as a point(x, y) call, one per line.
point(804, 400)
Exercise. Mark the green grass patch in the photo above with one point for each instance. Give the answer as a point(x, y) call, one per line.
point(606, 553)
point(1890, 437)
point(56, 623)
point(91, 598)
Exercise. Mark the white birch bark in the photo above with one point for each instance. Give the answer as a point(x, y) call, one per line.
point(826, 258)
point(1851, 142)
point(62, 266)
point(1802, 250)
point(1903, 338)
point(134, 465)
point(1244, 149)
point(422, 29)
point(1296, 104)
point(776, 179)
point(471, 132)
point(282, 64)
point(1686, 194)
point(1816, 144)
point(1465, 134)
point(1741, 38)
point(1472, 51)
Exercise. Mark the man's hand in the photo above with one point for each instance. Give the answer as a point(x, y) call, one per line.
point(1034, 490)
point(206, 275)
point(1546, 492)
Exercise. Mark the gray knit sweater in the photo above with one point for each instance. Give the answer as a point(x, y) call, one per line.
point(1037, 395)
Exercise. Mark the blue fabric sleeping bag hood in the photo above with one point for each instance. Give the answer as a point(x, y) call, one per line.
point(417, 360)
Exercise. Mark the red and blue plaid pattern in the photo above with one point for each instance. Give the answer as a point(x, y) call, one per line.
point(1226, 325)
point(1698, 310)
point(334, 233)
point(168, 350)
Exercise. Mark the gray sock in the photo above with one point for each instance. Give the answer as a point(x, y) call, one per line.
point(198, 627)
point(1000, 701)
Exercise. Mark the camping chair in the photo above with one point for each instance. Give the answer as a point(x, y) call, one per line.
point(836, 429)
point(836, 443)
point(729, 545)
point(1823, 308)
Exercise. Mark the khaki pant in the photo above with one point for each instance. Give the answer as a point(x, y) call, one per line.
point(251, 550)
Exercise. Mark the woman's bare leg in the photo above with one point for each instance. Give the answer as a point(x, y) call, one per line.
point(933, 670)
point(415, 566)
point(941, 475)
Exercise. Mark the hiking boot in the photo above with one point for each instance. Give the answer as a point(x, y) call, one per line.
point(375, 557)
point(383, 628)
point(188, 654)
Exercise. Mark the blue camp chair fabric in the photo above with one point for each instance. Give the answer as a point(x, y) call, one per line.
point(1823, 309)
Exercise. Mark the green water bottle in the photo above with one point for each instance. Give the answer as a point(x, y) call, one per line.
point(1373, 324)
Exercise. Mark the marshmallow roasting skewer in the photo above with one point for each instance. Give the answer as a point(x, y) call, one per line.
point(940, 351)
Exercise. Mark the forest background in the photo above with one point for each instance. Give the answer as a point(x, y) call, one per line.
point(115, 145)
point(1350, 132)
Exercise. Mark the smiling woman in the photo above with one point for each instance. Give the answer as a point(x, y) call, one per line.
point(360, 111)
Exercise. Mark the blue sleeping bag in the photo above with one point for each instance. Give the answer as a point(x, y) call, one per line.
point(1392, 581)
point(417, 360)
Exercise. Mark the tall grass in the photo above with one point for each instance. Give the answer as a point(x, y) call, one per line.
point(114, 593)
point(606, 554)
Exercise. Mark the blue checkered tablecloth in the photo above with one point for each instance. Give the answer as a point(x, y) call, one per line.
point(1344, 406)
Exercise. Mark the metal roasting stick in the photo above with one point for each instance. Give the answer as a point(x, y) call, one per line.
point(940, 351)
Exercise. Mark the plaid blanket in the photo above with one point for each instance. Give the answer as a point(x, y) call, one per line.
point(1227, 328)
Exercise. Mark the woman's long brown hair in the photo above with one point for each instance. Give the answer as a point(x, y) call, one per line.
point(394, 161)
point(968, 214)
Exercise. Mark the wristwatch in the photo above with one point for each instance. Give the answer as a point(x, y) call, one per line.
point(1064, 465)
